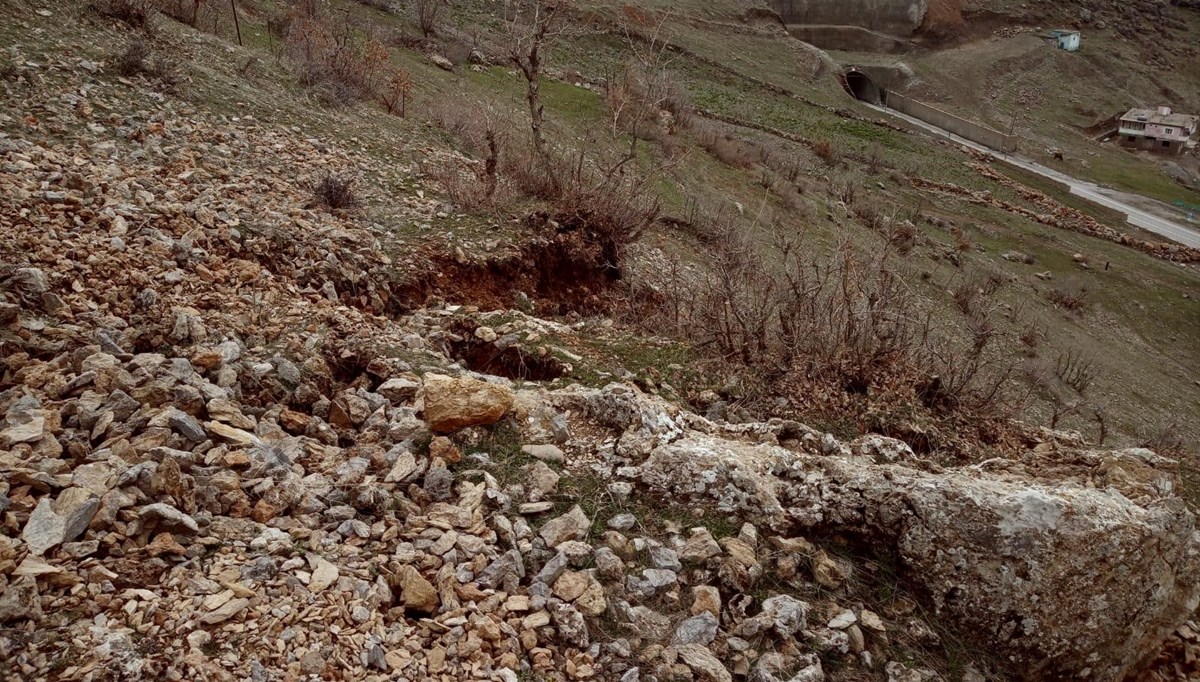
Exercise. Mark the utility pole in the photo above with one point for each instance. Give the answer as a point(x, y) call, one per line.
point(236, 24)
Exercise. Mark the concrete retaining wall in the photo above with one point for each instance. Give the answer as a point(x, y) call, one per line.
point(970, 130)
point(898, 17)
point(848, 38)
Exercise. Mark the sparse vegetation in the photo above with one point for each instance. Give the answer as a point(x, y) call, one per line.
point(395, 94)
point(828, 152)
point(137, 60)
point(334, 192)
point(1070, 297)
point(341, 64)
point(429, 15)
point(132, 13)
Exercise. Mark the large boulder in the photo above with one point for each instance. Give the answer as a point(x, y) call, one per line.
point(1071, 564)
point(453, 403)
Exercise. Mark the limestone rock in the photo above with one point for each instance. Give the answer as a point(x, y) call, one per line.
point(416, 593)
point(699, 629)
point(168, 515)
point(700, 546)
point(404, 467)
point(452, 403)
point(1055, 539)
point(20, 600)
point(77, 507)
point(324, 574)
point(573, 525)
point(702, 661)
point(400, 388)
point(44, 529)
point(788, 615)
point(570, 623)
point(546, 453)
point(542, 481)
point(225, 611)
point(706, 599)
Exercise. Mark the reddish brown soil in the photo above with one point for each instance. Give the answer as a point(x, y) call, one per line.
point(943, 21)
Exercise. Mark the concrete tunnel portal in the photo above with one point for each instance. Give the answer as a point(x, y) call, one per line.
point(864, 88)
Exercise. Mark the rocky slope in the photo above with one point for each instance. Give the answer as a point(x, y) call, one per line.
point(234, 446)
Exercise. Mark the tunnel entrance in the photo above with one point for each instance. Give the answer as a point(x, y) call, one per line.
point(863, 87)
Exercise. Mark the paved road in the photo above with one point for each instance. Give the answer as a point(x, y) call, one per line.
point(1118, 201)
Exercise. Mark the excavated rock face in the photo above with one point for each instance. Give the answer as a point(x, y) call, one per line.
point(1076, 565)
point(1063, 579)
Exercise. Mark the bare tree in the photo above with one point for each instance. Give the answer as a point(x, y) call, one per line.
point(429, 15)
point(532, 29)
point(644, 89)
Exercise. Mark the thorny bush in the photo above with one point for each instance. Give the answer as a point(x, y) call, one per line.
point(333, 191)
point(840, 323)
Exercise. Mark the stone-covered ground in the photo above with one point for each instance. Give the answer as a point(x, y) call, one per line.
point(236, 447)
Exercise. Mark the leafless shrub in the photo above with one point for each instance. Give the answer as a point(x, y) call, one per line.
point(728, 149)
point(534, 25)
point(1062, 407)
point(971, 291)
point(1074, 370)
point(603, 197)
point(205, 15)
point(474, 186)
point(342, 64)
point(902, 235)
point(1070, 297)
point(870, 215)
point(135, 60)
point(844, 190)
point(1030, 337)
point(1166, 440)
point(676, 101)
point(846, 319)
point(132, 60)
point(828, 151)
point(132, 13)
point(962, 243)
point(394, 94)
point(640, 104)
point(381, 5)
point(333, 192)
point(1101, 419)
point(428, 14)
point(875, 158)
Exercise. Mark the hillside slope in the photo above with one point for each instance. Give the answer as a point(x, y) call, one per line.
point(724, 378)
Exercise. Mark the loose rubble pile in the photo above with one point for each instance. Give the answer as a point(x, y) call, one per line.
point(220, 463)
point(157, 527)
